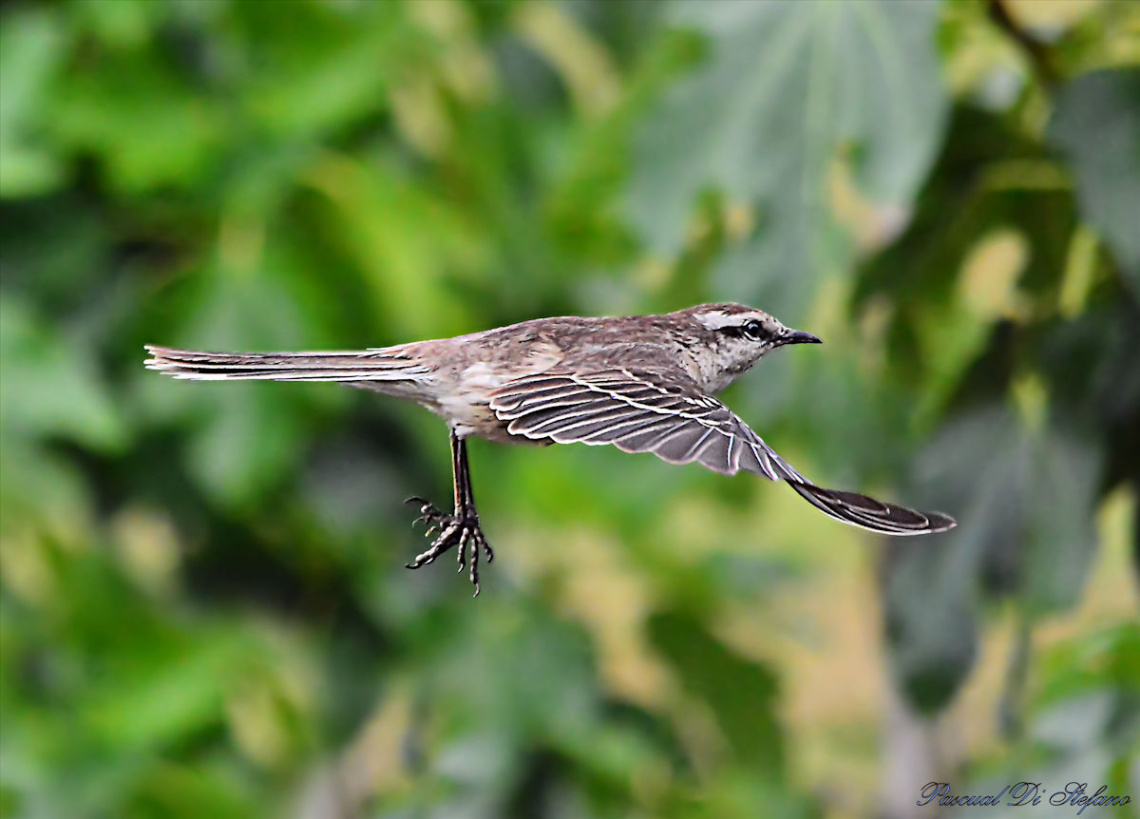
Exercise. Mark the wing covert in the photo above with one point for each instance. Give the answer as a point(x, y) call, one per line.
point(648, 411)
point(637, 411)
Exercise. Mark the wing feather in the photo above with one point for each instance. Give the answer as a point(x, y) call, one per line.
point(666, 414)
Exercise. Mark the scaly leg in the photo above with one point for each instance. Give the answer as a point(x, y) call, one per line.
point(461, 528)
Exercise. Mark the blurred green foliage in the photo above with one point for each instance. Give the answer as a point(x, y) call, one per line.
point(203, 606)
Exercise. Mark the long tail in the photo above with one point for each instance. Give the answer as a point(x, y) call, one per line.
point(389, 364)
point(868, 513)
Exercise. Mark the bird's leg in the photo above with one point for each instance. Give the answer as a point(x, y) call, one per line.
point(460, 528)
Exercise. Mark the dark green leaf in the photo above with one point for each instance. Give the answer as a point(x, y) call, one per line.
point(741, 692)
point(1096, 124)
point(1024, 501)
point(55, 389)
point(785, 87)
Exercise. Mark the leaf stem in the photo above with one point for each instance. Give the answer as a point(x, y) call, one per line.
point(1011, 708)
point(1036, 52)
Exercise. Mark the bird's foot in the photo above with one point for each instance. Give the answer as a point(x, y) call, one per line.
point(460, 528)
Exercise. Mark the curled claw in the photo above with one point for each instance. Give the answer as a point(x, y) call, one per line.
point(475, 568)
point(421, 560)
point(460, 529)
point(429, 515)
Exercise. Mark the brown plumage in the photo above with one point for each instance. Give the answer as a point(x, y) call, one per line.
point(641, 383)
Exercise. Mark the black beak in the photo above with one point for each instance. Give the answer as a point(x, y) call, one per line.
point(799, 337)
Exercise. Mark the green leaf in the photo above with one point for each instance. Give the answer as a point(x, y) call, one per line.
point(40, 487)
point(411, 247)
point(121, 26)
point(32, 47)
point(1096, 124)
point(785, 88)
point(163, 695)
point(521, 670)
point(1024, 500)
point(930, 617)
point(181, 791)
point(1061, 538)
point(249, 433)
point(321, 67)
point(142, 120)
point(741, 692)
point(1093, 661)
point(1028, 495)
point(55, 385)
point(990, 181)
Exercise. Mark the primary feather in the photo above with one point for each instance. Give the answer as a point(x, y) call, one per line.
point(647, 411)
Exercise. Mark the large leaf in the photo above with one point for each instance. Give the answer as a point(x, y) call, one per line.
point(1024, 500)
point(946, 292)
point(1096, 123)
point(784, 88)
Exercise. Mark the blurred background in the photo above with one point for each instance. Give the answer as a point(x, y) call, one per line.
point(205, 611)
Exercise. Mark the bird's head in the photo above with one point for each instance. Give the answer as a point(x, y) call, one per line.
point(733, 337)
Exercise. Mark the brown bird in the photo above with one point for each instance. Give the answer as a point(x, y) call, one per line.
point(641, 383)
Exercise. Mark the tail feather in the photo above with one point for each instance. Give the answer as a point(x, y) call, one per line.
point(868, 513)
point(367, 365)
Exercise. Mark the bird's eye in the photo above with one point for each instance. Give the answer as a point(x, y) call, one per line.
point(754, 330)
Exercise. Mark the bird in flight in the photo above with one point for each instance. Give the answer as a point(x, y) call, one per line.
point(641, 383)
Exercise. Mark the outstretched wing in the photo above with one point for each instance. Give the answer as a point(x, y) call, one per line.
point(651, 411)
point(637, 411)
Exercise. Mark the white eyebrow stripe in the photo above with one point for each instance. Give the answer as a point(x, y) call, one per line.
point(718, 319)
